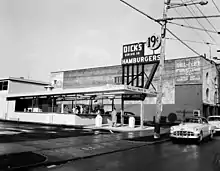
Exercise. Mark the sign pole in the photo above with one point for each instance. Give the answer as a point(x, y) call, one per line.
point(159, 105)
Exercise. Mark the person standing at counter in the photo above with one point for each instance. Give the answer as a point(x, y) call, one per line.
point(114, 117)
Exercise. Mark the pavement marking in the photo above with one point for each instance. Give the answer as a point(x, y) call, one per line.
point(68, 129)
point(53, 132)
point(19, 130)
point(8, 132)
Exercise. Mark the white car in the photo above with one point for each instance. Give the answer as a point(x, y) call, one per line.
point(215, 121)
point(196, 128)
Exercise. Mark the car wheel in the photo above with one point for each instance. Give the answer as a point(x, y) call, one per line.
point(200, 138)
point(211, 135)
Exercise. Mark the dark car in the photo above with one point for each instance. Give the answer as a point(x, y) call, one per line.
point(126, 117)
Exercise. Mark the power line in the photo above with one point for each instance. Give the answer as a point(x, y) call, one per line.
point(199, 22)
point(205, 17)
point(160, 24)
point(193, 17)
point(188, 24)
point(216, 6)
point(146, 15)
point(192, 27)
point(193, 41)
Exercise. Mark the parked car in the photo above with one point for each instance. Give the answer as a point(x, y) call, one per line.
point(126, 117)
point(215, 121)
point(196, 128)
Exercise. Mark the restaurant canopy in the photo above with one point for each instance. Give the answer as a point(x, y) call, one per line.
point(106, 90)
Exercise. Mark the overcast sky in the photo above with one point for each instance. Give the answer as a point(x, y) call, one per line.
point(41, 36)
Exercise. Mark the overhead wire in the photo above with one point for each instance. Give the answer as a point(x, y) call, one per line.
point(198, 21)
point(216, 6)
point(188, 24)
point(131, 6)
point(192, 41)
point(192, 27)
point(202, 67)
point(205, 17)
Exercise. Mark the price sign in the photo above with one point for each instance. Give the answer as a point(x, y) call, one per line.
point(154, 42)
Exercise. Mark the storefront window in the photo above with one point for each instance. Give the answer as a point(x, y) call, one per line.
point(207, 94)
point(3, 85)
point(207, 78)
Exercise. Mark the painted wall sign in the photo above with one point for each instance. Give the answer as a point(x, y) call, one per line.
point(188, 71)
point(143, 59)
point(133, 50)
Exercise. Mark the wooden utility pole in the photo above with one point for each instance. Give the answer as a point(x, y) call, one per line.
point(159, 105)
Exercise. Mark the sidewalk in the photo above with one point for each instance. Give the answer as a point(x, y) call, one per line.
point(118, 128)
point(61, 150)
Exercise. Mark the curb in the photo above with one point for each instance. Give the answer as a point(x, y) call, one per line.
point(57, 163)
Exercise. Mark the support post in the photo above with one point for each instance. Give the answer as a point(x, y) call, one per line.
point(122, 110)
point(112, 104)
point(142, 114)
point(52, 106)
point(32, 105)
point(159, 105)
point(184, 114)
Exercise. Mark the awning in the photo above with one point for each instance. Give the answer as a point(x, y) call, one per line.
point(108, 89)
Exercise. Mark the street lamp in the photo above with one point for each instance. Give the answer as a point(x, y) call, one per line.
point(175, 5)
point(215, 58)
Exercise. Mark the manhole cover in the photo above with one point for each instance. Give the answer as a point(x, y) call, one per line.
point(19, 160)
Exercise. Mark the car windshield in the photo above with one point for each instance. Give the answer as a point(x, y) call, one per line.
point(192, 120)
point(214, 119)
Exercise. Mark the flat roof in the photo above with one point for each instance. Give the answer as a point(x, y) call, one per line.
point(25, 80)
point(104, 90)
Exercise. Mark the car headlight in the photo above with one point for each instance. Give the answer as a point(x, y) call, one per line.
point(171, 128)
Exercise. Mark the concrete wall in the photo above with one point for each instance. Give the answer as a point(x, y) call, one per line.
point(56, 79)
point(210, 78)
point(188, 97)
point(3, 104)
point(54, 118)
point(20, 87)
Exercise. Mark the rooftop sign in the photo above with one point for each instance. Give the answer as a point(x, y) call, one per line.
point(133, 50)
point(135, 53)
point(143, 59)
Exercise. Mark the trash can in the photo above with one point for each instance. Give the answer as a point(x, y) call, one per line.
point(98, 121)
point(131, 122)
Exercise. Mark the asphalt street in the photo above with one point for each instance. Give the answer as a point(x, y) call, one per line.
point(14, 132)
point(161, 157)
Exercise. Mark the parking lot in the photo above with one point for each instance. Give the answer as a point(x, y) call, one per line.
point(14, 132)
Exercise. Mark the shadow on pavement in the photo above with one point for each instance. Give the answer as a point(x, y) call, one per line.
point(20, 161)
point(41, 136)
point(150, 138)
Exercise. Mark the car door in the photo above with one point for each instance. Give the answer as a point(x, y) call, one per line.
point(205, 128)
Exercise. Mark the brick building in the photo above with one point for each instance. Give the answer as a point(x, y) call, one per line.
point(190, 84)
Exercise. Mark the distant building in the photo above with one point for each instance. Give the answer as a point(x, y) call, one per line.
point(190, 84)
point(13, 85)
